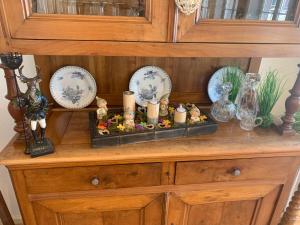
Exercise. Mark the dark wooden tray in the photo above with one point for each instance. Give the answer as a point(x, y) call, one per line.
point(98, 141)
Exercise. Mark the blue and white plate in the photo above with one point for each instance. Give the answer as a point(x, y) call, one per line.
point(73, 87)
point(149, 83)
point(215, 82)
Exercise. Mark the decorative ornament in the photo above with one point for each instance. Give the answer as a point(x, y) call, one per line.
point(195, 114)
point(164, 105)
point(102, 108)
point(188, 6)
point(36, 107)
point(129, 120)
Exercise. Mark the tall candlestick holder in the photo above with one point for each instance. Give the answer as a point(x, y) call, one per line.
point(9, 63)
point(292, 105)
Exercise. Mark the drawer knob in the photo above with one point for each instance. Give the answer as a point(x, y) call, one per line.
point(236, 172)
point(95, 181)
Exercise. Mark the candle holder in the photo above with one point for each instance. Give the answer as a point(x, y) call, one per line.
point(153, 112)
point(9, 63)
point(128, 101)
point(180, 115)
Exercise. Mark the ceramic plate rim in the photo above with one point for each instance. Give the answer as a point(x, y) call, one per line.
point(86, 73)
point(142, 68)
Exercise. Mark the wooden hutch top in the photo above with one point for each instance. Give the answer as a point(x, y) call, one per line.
point(160, 30)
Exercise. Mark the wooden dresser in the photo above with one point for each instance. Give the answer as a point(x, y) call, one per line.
point(230, 177)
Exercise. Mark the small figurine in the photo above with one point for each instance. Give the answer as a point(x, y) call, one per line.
point(129, 120)
point(102, 108)
point(195, 114)
point(36, 107)
point(164, 104)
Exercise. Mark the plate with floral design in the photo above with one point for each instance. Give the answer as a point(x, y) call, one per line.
point(149, 83)
point(73, 87)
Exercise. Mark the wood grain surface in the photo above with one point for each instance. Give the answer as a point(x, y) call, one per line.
point(70, 133)
point(153, 49)
point(189, 76)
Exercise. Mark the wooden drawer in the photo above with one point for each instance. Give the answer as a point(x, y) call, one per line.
point(231, 170)
point(92, 178)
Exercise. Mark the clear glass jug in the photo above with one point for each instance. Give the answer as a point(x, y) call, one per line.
point(246, 100)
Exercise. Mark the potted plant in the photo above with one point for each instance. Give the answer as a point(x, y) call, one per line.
point(269, 92)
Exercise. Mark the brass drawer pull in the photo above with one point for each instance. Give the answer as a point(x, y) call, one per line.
point(95, 181)
point(236, 172)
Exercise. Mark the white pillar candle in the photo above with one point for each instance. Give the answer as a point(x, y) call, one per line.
point(128, 101)
point(152, 112)
point(180, 115)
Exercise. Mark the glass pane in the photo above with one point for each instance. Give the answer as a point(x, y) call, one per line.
point(277, 10)
point(135, 8)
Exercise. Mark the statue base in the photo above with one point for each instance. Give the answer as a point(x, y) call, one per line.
point(41, 148)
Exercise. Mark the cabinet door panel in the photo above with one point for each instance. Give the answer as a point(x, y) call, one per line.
point(121, 210)
point(27, 21)
point(246, 21)
point(253, 206)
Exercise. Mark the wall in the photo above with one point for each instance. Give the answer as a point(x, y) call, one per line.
point(287, 69)
point(6, 133)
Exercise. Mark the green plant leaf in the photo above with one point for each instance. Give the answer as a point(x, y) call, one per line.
point(269, 91)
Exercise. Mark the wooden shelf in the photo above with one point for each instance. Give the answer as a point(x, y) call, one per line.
point(153, 49)
point(70, 133)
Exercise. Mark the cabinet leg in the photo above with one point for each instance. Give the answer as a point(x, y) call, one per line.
point(292, 105)
point(292, 214)
point(5, 216)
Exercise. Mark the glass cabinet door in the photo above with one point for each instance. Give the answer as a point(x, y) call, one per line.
point(263, 10)
point(242, 21)
point(130, 8)
point(109, 20)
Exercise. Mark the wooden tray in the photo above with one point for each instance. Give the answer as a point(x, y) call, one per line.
point(119, 138)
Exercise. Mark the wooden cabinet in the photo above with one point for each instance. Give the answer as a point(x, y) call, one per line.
point(156, 193)
point(244, 21)
point(3, 41)
point(227, 178)
point(240, 204)
point(147, 209)
point(131, 20)
point(229, 28)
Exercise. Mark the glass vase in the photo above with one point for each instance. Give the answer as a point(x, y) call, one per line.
point(246, 100)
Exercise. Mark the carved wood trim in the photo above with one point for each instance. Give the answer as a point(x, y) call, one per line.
point(292, 214)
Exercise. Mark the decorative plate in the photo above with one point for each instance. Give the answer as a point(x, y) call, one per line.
point(215, 82)
point(150, 82)
point(73, 87)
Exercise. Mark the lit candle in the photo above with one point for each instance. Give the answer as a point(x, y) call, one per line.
point(152, 112)
point(180, 115)
point(128, 101)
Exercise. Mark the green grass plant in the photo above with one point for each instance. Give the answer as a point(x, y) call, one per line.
point(269, 91)
point(233, 76)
